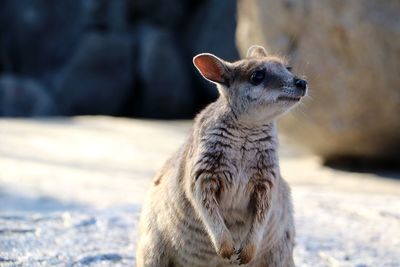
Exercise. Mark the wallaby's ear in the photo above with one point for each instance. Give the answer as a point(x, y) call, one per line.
point(212, 68)
point(256, 51)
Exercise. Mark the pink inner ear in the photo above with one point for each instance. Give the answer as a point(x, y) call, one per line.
point(210, 68)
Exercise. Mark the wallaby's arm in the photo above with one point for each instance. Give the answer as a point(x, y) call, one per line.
point(210, 176)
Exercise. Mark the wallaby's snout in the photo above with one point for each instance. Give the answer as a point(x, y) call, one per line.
point(300, 84)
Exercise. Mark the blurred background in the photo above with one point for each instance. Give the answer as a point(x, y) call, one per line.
point(71, 186)
point(100, 57)
point(134, 59)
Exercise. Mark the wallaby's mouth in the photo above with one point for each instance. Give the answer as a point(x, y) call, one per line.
point(289, 98)
point(290, 94)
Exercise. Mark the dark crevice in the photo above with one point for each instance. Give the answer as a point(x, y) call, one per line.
point(389, 168)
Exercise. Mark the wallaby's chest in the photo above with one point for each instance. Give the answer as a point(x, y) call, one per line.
point(238, 157)
point(248, 163)
point(240, 153)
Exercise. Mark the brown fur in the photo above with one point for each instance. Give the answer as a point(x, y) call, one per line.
point(220, 200)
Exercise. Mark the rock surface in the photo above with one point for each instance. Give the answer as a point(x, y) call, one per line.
point(85, 52)
point(164, 75)
point(24, 97)
point(37, 37)
point(71, 192)
point(98, 78)
point(350, 53)
point(169, 13)
point(203, 34)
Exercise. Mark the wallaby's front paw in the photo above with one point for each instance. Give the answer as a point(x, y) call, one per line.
point(246, 253)
point(226, 248)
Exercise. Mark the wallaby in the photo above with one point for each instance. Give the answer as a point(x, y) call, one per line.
point(220, 200)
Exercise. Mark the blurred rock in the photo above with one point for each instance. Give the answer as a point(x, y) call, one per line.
point(37, 37)
point(106, 16)
point(99, 77)
point(51, 41)
point(212, 29)
point(164, 77)
point(350, 53)
point(166, 13)
point(24, 97)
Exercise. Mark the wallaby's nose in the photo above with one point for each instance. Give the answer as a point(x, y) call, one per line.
point(300, 83)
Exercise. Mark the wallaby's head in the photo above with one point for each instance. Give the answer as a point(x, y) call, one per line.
point(258, 88)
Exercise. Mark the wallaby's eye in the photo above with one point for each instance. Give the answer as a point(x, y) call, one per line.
point(289, 69)
point(257, 77)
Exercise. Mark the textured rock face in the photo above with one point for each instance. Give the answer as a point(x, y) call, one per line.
point(350, 53)
point(163, 73)
point(98, 79)
point(21, 97)
point(204, 34)
point(37, 37)
point(86, 52)
point(169, 13)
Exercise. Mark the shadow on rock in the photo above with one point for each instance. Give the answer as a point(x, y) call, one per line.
point(387, 168)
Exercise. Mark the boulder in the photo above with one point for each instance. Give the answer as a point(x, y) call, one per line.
point(105, 15)
point(24, 97)
point(166, 13)
point(166, 90)
point(350, 53)
point(37, 37)
point(99, 77)
point(212, 29)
